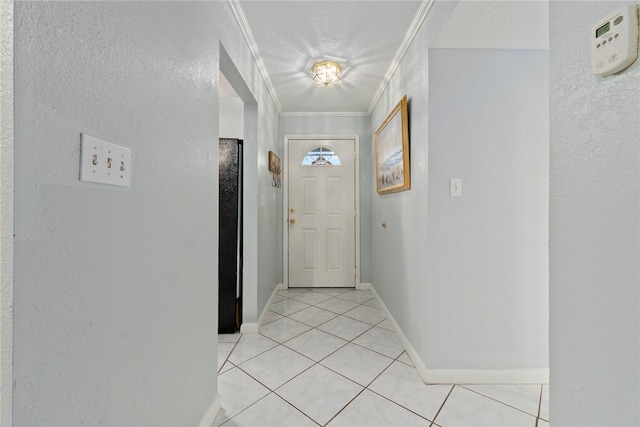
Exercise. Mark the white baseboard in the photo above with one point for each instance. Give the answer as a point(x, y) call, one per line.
point(364, 287)
point(254, 328)
point(249, 328)
point(411, 352)
point(461, 376)
point(210, 416)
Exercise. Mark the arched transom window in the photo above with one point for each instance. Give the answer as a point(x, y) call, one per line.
point(321, 156)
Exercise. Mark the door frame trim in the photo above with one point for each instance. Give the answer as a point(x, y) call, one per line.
point(285, 201)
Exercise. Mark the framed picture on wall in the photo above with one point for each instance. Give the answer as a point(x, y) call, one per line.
point(274, 162)
point(392, 151)
point(274, 168)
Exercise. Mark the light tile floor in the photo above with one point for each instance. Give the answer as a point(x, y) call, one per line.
point(330, 357)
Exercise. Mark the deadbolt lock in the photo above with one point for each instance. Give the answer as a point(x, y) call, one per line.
point(292, 210)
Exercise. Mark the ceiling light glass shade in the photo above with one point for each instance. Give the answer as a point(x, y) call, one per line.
point(326, 72)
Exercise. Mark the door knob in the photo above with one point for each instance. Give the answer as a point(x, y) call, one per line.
point(292, 221)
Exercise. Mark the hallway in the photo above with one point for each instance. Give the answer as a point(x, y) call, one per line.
point(330, 357)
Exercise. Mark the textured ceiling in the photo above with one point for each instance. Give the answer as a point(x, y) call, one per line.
point(368, 38)
point(364, 36)
point(496, 25)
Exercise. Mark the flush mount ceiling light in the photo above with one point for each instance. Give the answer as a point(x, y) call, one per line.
point(326, 72)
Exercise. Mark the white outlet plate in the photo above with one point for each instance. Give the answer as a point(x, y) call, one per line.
point(455, 187)
point(103, 162)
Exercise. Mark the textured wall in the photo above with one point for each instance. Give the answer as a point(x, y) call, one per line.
point(488, 256)
point(262, 227)
point(443, 265)
point(399, 252)
point(594, 228)
point(6, 212)
point(341, 125)
point(115, 288)
point(115, 293)
point(270, 221)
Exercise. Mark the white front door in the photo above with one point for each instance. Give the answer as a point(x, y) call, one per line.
point(322, 213)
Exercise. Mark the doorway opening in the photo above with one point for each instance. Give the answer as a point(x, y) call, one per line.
point(230, 236)
point(238, 119)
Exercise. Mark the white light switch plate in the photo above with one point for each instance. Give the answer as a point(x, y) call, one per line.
point(104, 162)
point(455, 187)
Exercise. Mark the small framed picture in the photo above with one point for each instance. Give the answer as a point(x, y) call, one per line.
point(274, 168)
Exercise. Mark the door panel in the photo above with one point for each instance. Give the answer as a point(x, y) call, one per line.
point(309, 246)
point(334, 250)
point(322, 215)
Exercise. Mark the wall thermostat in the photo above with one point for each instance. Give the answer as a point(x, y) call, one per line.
point(614, 41)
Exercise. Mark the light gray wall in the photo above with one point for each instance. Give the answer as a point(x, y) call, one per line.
point(115, 288)
point(399, 252)
point(268, 209)
point(262, 217)
point(6, 212)
point(345, 125)
point(231, 118)
point(594, 228)
point(488, 256)
point(443, 266)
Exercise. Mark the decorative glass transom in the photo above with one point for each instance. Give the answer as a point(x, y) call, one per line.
point(321, 156)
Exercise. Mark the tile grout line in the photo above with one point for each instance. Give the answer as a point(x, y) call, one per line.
point(332, 353)
point(369, 328)
point(264, 397)
point(399, 404)
point(259, 354)
point(274, 391)
point(495, 400)
point(314, 362)
point(295, 376)
point(226, 359)
point(540, 403)
point(443, 403)
point(320, 330)
point(337, 315)
point(345, 406)
point(290, 403)
point(390, 400)
point(366, 387)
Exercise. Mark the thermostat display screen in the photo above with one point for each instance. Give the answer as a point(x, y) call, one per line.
point(602, 30)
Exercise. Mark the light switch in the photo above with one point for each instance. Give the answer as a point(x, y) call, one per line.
point(103, 162)
point(455, 187)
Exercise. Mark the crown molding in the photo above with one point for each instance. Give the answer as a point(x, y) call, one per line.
point(325, 114)
point(425, 7)
point(255, 52)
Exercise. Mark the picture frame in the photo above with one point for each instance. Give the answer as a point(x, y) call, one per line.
point(274, 168)
point(274, 162)
point(393, 172)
